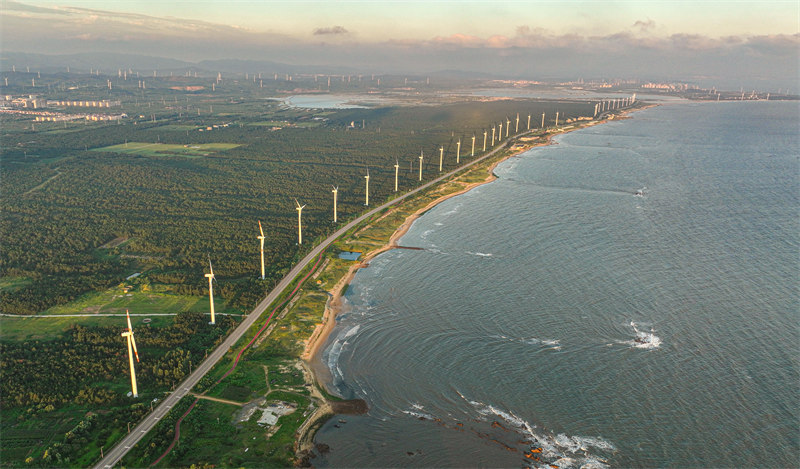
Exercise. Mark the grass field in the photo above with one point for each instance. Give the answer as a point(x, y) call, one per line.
point(115, 300)
point(45, 328)
point(194, 150)
point(14, 283)
point(112, 301)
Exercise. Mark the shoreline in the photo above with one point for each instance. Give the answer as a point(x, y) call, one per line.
point(311, 356)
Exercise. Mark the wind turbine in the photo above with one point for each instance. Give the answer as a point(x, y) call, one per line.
point(529, 122)
point(484, 139)
point(366, 202)
point(441, 157)
point(458, 151)
point(396, 172)
point(543, 120)
point(472, 153)
point(516, 128)
point(261, 240)
point(500, 135)
point(210, 277)
point(494, 129)
point(299, 222)
point(335, 194)
point(128, 334)
point(556, 118)
point(420, 165)
point(508, 125)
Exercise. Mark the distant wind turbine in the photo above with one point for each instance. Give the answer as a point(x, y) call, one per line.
point(299, 222)
point(366, 202)
point(484, 139)
point(128, 334)
point(472, 153)
point(335, 194)
point(516, 128)
point(396, 172)
point(458, 151)
point(420, 165)
point(543, 120)
point(211, 278)
point(529, 122)
point(261, 239)
point(508, 125)
point(494, 129)
point(441, 157)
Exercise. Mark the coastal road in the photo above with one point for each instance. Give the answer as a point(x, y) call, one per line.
point(114, 455)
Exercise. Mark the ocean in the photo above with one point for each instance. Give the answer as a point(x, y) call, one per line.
point(626, 297)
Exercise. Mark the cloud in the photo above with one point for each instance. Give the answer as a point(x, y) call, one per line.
point(527, 51)
point(644, 26)
point(9, 5)
point(333, 30)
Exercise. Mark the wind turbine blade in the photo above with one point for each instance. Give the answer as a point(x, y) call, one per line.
point(259, 228)
point(133, 342)
point(129, 320)
point(296, 202)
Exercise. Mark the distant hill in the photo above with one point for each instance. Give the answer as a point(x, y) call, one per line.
point(109, 62)
point(105, 61)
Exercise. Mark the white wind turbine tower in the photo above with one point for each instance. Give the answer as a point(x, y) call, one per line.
point(420, 165)
point(508, 125)
point(458, 151)
point(441, 157)
point(396, 172)
point(366, 202)
point(542, 120)
point(494, 129)
point(484, 139)
point(261, 241)
point(128, 334)
point(472, 153)
point(335, 194)
point(500, 134)
point(516, 129)
point(299, 222)
point(556, 118)
point(210, 276)
point(529, 122)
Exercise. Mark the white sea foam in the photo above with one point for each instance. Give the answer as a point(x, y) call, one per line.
point(644, 339)
point(563, 450)
point(480, 254)
point(351, 332)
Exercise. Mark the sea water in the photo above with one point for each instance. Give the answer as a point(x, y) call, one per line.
point(625, 297)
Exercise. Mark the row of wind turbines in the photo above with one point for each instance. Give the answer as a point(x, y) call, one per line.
point(497, 135)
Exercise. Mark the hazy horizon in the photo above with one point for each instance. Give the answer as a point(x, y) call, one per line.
point(724, 44)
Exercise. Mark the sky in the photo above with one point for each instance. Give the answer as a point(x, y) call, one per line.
point(751, 42)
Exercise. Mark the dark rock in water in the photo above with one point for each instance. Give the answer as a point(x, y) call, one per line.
point(350, 407)
point(409, 453)
point(322, 448)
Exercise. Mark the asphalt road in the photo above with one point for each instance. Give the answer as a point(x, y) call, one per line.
point(137, 433)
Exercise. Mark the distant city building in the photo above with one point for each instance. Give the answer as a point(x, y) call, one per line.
point(103, 103)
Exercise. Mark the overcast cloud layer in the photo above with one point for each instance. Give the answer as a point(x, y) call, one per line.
point(763, 61)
